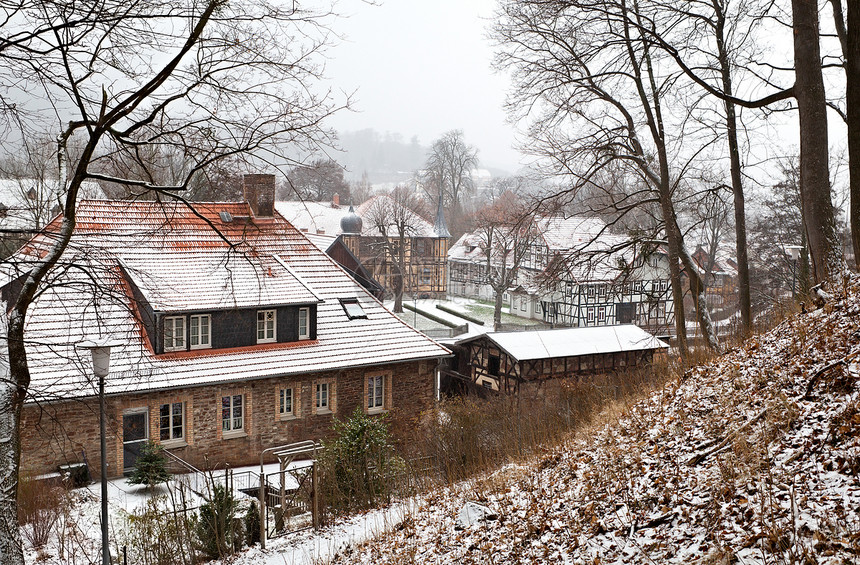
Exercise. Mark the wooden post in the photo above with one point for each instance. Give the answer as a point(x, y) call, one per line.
point(315, 509)
point(262, 505)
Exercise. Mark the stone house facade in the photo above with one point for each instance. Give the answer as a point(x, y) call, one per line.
point(235, 334)
point(61, 432)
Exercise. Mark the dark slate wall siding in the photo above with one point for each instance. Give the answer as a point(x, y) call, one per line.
point(234, 328)
point(237, 328)
point(287, 321)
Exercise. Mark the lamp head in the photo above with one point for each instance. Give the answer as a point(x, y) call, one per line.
point(100, 351)
point(793, 251)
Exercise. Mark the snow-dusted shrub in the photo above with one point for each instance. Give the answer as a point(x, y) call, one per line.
point(252, 524)
point(40, 506)
point(150, 467)
point(215, 527)
point(153, 535)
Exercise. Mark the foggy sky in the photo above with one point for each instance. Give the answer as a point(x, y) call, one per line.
point(421, 68)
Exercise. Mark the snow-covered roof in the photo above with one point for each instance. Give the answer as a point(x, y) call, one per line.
point(572, 342)
point(324, 218)
point(29, 203)
point(322, 241)
point(562, 233)
point(591, 252)
point(124, 254)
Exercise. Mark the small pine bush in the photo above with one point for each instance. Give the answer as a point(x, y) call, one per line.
point(150, 468)
point(252, 524)
point(214, 527)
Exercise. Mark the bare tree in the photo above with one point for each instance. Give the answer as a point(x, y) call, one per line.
point(848, 33)
point(715, 36)
point(448, 173)
point(808, 91)
point(819, 221)
point(318, 181)
point(117, 79)
point(396, 223)
point(31, 181)
point(779, 225)
point(505, 232)
point(588, 77)
point(710, 219)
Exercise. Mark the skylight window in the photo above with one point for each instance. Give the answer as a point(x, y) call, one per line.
point(352, 308)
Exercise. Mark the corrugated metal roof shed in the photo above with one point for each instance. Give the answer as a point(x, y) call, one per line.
point(572, 342)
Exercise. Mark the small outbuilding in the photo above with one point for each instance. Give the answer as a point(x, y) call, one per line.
point(501, 361)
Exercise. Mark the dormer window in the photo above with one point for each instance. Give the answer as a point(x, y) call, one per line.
point(352, 308)
point(266, 326)
point(304, 325)
point(174, 333)
point(200, 332)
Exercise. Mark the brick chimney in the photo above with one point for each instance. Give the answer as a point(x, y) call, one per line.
point(335, 200)
point(260, 194)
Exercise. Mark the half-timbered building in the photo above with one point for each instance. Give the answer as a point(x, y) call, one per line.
point(360, 230)
point(504, 361)
point(576, 274)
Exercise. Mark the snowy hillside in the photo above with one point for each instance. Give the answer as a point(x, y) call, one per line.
point(751, 459)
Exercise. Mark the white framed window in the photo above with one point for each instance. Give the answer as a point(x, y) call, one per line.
point(174, 333)
point(171, 418)
point(232, 413)
point(304, 325)
point(590, 315)
point(375, 393)
point(266, 320)
point(323, 401)
point(286, 402)
point(200, 331)
point(601, 314)
point(523, 306)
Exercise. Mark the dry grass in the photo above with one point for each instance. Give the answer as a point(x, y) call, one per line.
point(469, 436)
point(40, 506)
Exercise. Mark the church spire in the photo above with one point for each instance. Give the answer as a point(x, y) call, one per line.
point(440, 228)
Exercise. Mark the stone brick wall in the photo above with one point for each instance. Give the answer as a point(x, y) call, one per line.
point(67, 432)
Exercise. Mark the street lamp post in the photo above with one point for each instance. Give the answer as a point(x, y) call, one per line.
point(100, 352)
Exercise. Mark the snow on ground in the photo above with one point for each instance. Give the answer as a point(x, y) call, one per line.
point(752, 459)
point(476, 309)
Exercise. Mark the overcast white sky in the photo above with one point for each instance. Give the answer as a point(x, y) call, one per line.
point(422, 67)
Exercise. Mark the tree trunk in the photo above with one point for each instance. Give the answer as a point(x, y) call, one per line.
point(11, 401)
point(815, 199)
point(852, 98)
point(497, 311)
point(398, 293)
point(13, 392)
point(737, 178)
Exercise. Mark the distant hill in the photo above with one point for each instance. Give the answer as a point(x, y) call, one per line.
point(385, 157)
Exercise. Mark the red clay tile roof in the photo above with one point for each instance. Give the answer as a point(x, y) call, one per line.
point(180, 262)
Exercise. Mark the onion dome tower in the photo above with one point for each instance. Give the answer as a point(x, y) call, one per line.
point(351, 223)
